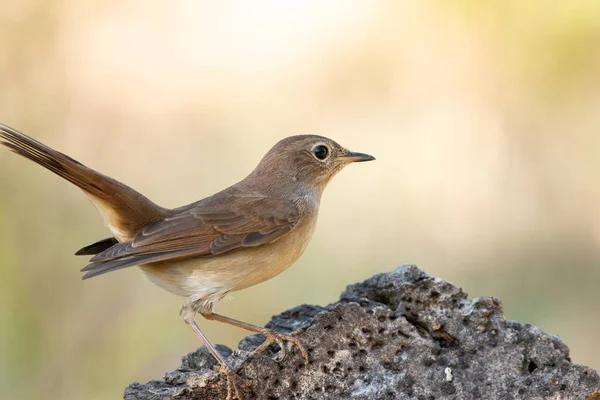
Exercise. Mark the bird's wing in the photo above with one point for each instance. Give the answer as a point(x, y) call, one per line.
point(206, 231)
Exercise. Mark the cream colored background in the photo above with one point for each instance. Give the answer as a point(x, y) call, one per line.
point(484, 118)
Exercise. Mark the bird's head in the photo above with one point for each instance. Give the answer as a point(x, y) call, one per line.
point(304, 161)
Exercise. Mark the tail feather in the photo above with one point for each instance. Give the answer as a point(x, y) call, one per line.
point(93, 270)
point(102, 267)
point(125, 211)
point(97, 247)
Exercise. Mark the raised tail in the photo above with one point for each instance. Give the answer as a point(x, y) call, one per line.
point(124, 210)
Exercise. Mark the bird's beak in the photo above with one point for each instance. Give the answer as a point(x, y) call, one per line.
point(357, 157)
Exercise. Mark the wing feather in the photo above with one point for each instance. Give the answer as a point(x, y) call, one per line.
point(202, 231)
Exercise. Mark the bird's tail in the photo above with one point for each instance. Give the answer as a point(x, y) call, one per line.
point(124, 210)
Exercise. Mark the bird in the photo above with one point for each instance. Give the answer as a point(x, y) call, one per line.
point(239, 237)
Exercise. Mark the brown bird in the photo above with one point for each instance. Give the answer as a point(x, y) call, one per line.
point(239, 237)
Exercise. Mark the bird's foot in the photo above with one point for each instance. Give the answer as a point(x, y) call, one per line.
point(279, 338)
point(232, 387)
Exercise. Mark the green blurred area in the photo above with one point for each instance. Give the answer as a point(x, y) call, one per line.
point(484, 117)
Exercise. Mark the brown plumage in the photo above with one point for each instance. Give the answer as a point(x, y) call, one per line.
point(207, 228)
point(239, 237)
point(122, 207)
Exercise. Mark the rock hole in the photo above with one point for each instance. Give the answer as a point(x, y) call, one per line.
point(377, 345)
point(328, 327)
point(428, 362)
point(399, 332)
point(531, 367)
point(381, 318)
point(330, 353)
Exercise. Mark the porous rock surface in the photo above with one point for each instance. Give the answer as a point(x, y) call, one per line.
point(398, 335)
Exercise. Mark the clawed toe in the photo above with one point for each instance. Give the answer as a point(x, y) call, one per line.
point(279, 338)
point(232, 387)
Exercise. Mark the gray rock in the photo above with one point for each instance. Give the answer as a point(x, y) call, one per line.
point(399, 335)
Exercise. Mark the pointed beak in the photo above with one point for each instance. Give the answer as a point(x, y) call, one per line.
point(357, 157)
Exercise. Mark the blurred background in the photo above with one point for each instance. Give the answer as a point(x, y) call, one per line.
point(484, 118)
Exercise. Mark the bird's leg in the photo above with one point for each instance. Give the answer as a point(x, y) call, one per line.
point(270, 335)
point(187, 313)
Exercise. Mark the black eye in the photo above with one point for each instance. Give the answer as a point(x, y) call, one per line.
point(321, 152)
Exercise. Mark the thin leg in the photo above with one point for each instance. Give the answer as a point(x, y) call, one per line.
point(271, 336)
point(225, 369)
point(192, 324)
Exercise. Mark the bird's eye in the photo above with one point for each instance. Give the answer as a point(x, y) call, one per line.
point(321, 152)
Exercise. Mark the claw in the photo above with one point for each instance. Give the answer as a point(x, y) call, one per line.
point(232, 390)
point(279, 338)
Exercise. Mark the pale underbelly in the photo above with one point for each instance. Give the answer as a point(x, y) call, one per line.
point(211, 278)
